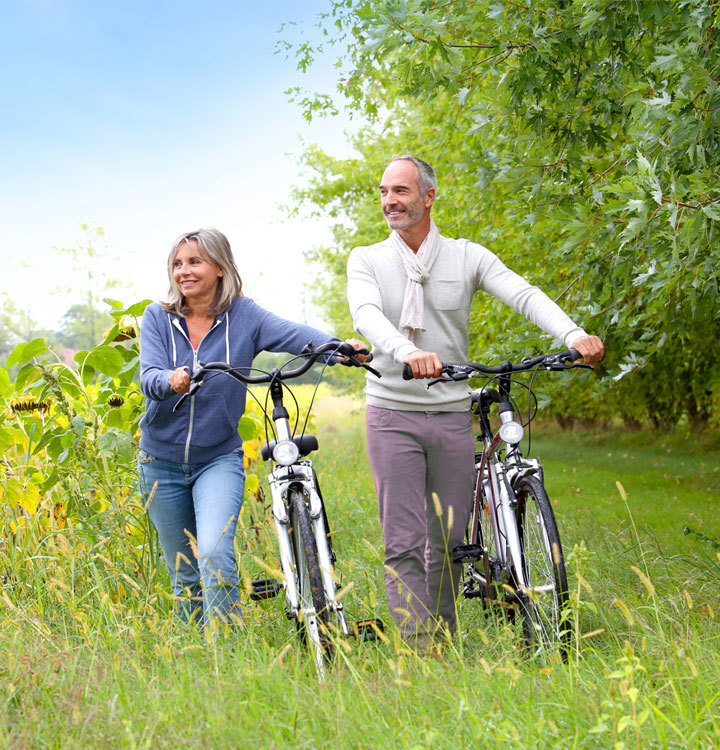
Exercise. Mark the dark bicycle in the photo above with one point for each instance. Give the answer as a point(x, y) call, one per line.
point(513, 556)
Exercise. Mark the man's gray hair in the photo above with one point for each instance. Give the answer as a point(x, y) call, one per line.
point(214, 247)
point(426, 176)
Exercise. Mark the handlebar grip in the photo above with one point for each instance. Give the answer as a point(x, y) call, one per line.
point(364, 350)
point(407, 372)
point(344, 349)
point(571, 355)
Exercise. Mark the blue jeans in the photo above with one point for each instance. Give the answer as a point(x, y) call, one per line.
point(195, 509)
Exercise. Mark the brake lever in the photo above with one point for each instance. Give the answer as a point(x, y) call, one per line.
point(439, 380)
point(180, 402)
point(353, 362)
point(560, 366)
point(191, 392)
point(454, 378)
point(371, 369)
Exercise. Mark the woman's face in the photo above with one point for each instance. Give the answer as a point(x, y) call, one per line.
point(196, 277)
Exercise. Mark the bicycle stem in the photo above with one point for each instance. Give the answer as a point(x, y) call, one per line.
point(280, 415)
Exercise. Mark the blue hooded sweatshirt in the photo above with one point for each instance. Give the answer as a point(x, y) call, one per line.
point(205, 427)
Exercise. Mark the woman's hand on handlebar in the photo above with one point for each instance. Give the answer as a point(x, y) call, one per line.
point(180, 380)
point(362, 354)
point(590, 348)
point(424, 364)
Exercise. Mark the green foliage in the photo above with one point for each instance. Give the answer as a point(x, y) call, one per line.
point(578, 140)
point(71, 431)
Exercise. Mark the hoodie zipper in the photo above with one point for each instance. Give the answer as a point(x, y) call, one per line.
point(195, 351)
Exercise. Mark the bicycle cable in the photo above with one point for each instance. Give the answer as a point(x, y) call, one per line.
point(314, 394)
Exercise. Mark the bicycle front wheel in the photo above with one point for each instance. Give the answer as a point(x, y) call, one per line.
point(313, 602)
point(543, 604)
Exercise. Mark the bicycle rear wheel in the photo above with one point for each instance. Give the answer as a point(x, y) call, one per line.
point(543, 604)
point(313, 602)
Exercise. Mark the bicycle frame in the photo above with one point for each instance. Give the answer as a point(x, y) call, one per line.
point(520, 553)
point(494, 481)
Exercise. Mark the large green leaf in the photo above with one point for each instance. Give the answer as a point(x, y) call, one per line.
point(5, 386)
point(105, 359)
point(23, 352)
point(248, 428)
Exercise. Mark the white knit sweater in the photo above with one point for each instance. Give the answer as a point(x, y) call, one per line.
point(376, 285)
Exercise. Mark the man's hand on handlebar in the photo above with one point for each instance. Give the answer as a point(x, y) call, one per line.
point(424, 364)
point(590, 347)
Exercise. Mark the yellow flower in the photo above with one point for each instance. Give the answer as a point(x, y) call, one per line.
point(126, 329)
point(28, 403)
point(251, 449)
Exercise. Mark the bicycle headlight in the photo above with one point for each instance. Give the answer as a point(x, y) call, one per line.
point(511, 432)
point(286, 452)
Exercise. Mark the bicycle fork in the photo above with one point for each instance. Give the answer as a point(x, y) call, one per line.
point(502, 497)
point(281, 481)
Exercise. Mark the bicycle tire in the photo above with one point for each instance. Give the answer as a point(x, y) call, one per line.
point(545, 624)
point(313, 602)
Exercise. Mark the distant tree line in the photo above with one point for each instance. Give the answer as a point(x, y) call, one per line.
point(82, 326)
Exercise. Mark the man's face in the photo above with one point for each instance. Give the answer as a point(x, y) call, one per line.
point(400, 198)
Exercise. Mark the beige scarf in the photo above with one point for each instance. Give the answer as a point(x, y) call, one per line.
point(417, 267)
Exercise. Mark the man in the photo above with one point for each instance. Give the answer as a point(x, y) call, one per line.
point(410, 297)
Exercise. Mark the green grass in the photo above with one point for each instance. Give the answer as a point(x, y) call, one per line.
point(87, 663)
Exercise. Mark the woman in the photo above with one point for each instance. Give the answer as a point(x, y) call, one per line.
point(191, 462)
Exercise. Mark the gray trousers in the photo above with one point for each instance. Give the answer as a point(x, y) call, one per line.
point(413, 455)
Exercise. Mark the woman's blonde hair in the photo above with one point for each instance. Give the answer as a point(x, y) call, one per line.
point(214, 247)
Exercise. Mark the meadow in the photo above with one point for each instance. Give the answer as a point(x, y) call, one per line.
point(92, 656)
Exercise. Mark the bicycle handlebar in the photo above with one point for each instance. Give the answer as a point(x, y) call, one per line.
point(342, 348)
point(463, 371)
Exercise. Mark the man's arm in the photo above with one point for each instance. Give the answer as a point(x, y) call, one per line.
point(369, 320)
point(495, 277)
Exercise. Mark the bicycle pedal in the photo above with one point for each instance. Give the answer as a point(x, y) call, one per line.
point(367, 630)
point(467, 553)
point(264, 588)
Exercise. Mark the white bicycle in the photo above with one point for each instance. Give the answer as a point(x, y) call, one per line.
point(304, 542)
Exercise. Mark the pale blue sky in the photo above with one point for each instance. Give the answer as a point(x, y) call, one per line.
point(149, 119)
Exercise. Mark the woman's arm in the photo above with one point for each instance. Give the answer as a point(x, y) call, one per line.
point(276, 334)
point(155, 366)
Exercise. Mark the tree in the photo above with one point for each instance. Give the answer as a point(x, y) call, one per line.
point(580, 140)
point(83, 326)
